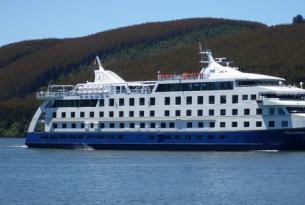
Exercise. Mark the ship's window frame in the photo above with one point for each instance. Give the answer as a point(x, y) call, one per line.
point(253, 97)
point(200, 100)
point(211, 112)
point(271, 123)
point(152, 125)
point(131, 113)
point(141, 113)
point(101, 102)
point(132, 125)
point(234, 99)
point(171, 125)
point(200, 124)
point(166, 113)
point(259, 111)
point(82, 114)
point(112, 125)
point(152, 101)
point(284, 123)
point(73, 125)
point(234, 112)
point(259, 123)
point(211, 99)
point(223, 112)
point(234, 124)
point(222, 124)
point(121, 101)
point(54, 114)
point(163, 124)
point(223, 99)
point(141, 101)
point(151, 113)
point(111, 102)
point(91, 114)
point(121, 113)
point(188, 113)
point(189, 100)
point(178, 100)
point(122, 125)
point(246, 111)
point(54, 125)
point(142, 125)
point(244, 97)
point(102, 125)
point(212, 124)
point(167, 100)
point(177, 113)
point(72, 114)
point(189, 124)
point(63, 114)
point(131, 102)
point(246, 123)
point(199, 112)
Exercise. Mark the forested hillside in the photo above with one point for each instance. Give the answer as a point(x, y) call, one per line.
point(137, 53)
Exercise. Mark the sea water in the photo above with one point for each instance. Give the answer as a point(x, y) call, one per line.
point(50, 176)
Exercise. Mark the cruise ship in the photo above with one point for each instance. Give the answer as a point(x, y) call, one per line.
point(217, 108)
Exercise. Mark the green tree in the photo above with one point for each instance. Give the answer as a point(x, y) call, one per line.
point(298, 19)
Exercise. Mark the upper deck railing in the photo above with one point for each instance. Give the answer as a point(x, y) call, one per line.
point(184, 76)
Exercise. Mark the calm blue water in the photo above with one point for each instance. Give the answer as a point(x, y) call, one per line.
point(45, 176)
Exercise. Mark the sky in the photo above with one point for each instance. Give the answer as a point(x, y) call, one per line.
point(38, 19)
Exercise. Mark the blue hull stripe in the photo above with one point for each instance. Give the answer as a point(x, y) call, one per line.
point(285, 139)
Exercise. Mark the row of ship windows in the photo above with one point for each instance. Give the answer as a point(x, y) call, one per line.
point(150, 137)
point(167, 113)
point(234, 124)
point(151, 101)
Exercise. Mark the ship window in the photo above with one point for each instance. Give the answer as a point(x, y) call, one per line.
point(111, 114)
point(131, 113)
point(258, 123)
point(72, 114)
point(91, 125)
point(189, 100)
point(102, 102)
point(223, 99)
point(54, 114)
point(259, 111)
point(152, 125)
point(271, 124)
point(171, 125)
point(152, 113)
point(280, 111)
point(200, 124)
point(167, 101)
point(73, 125)
point(212, 124)
point(246, 124)
point(284, 123)
point(121, 113)
point(120, 137)
point(91, 114)
point(82, 125)
point(63, 114)
point(111, 102)
point(151, 137)
point(222, 137)
point(271, 111)
point(176, 87)
point(199, 137)
point(74, 103)
point(64, 125)
point(142, 125)
point(178, 100)
point(82, 114)
point(141, 113)
point(166, 113)
point(189, 125)
point(54, 125)
point(253, 97)
point(210, 137)
point(101, 114)
point(152, 101)
point(177, 112)
point(131, 125)
point(234, 124)
point(102, 125)
point(222, 124)
point(188, 112)
point(142, 101)
point(234, 99)
point(111, 125)
point(121, 102)
point(245, 97)
point(199, 112)
point(247, 111)
point(131, 101)
point(163, 125)
point(234, 112)
point(223, 112)
point(211, 99)
point(211, 112)
point(199, 100)
point(122, 125)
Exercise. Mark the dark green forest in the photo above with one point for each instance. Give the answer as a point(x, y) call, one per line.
point(137, 53)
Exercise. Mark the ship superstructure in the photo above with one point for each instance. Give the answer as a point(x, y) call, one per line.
point(218, 108)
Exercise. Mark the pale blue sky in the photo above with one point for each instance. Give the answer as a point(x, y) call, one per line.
point(35, 19)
